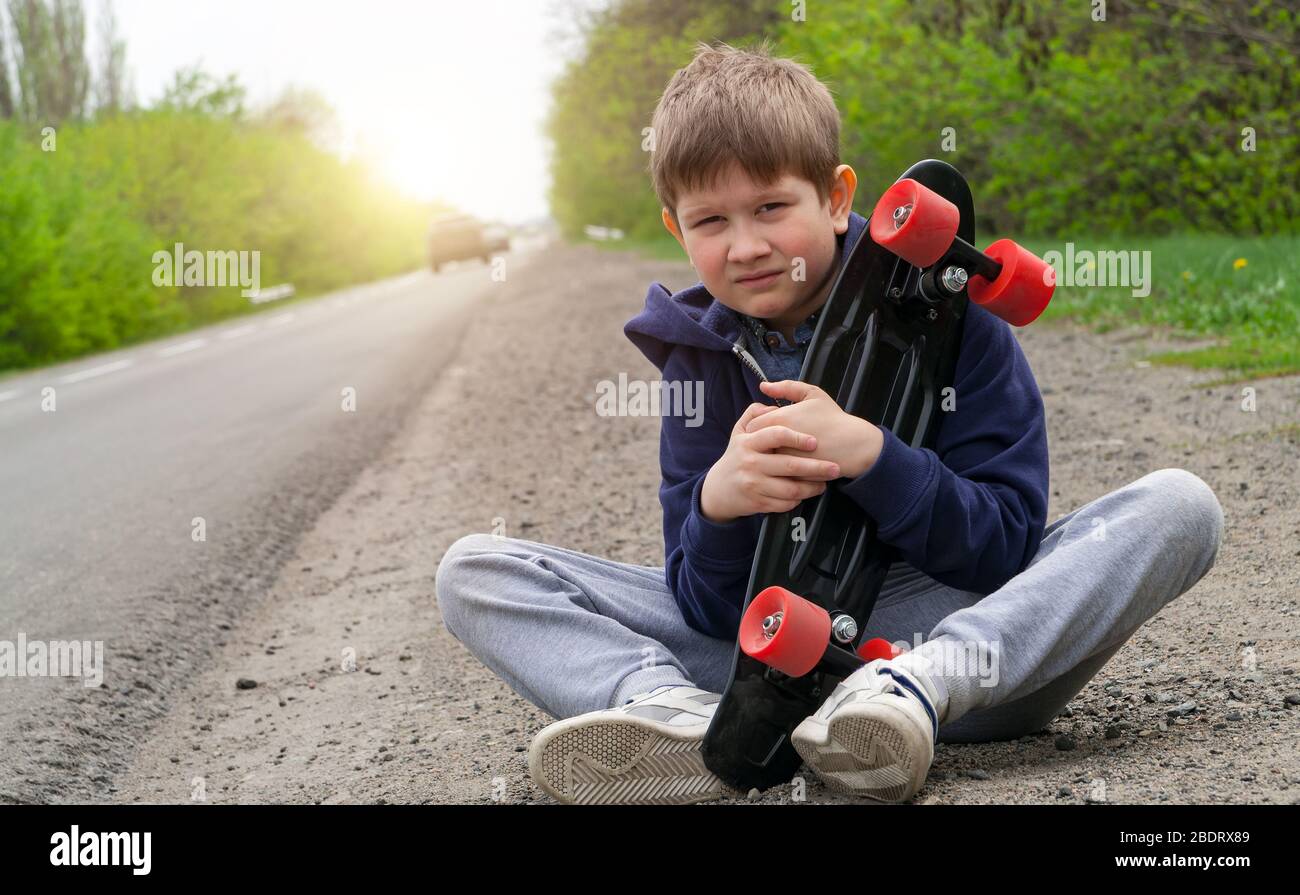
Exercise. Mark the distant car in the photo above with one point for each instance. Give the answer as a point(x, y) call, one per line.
point(460, 237)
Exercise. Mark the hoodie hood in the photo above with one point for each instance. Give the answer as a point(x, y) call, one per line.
point(694, 317)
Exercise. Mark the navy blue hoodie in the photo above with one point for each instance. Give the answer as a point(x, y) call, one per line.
point(969, 514)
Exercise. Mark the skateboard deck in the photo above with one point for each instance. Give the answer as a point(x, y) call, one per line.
point(885, 348)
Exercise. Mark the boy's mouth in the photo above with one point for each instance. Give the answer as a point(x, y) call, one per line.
point(760, 280)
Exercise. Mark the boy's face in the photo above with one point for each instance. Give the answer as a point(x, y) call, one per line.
point(739, 229)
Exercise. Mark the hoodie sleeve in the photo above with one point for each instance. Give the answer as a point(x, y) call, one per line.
point(971, 513)
point(706, 564)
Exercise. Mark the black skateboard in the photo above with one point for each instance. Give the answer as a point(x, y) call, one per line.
point(885, 348)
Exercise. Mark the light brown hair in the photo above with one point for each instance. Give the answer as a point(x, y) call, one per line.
point(771, 115)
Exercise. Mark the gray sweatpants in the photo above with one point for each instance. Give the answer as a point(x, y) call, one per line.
point(573, 633)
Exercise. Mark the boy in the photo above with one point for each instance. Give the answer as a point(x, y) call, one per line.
point(1008, 618)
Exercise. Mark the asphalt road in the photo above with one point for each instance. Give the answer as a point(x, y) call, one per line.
point(242, 425)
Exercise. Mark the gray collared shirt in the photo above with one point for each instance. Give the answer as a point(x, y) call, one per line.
point(778, 358)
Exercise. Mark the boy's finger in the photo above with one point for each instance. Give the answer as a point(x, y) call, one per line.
point(752, 411)
point(793, 389)
point(769, 420)
point(789, 466)
point(773, 437)
point(749, 414)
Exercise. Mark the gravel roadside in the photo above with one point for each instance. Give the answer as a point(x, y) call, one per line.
point(1200, 706)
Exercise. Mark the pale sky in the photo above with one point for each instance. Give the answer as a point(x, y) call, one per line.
point(450, 96)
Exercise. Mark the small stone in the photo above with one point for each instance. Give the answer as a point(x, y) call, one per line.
point(1064, 743)
point(977, 774)
point(1182, 709)
point(1232, 716)
point(1292, 699)
point(246, 683)
point(1064, 793)
point(1112, 732)
point(754, 795)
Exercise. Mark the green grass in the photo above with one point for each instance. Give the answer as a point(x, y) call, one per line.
point(1198, 290)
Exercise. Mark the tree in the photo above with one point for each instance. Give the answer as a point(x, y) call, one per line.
point(112, 92)
point(6, 90)
point(194, 90)
point(302, 110)
point(50, 59)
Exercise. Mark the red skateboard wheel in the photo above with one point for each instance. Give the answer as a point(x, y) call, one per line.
point(927, 227)
point(796, 636)
point(1021, 291)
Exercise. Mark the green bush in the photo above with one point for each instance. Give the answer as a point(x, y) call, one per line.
point(1062, 124)
point(79, 225)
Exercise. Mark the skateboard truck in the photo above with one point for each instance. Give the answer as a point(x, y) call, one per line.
point(920, 226)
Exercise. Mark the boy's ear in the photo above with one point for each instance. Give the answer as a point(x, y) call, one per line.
point(672, 228)
point(840, 200)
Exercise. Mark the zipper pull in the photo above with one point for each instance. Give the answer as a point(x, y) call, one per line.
point(747, 360)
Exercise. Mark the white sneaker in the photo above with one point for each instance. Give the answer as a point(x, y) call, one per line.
point(646, 751)
point(874, 736)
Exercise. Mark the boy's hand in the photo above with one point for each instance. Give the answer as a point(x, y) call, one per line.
point(763, 471)
point(842, 438)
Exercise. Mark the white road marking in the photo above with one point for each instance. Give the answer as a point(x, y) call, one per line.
point(191, 345)
point(96, 371)
point(195, 344)
point(238, 331)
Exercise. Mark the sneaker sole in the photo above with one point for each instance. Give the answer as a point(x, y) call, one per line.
point(621, 761)
point(872, 752)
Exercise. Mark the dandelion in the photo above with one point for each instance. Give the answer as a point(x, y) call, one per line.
point(1239, 264)
point(1187, 275)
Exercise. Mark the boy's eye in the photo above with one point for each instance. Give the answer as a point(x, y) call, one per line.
point(715, 217)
